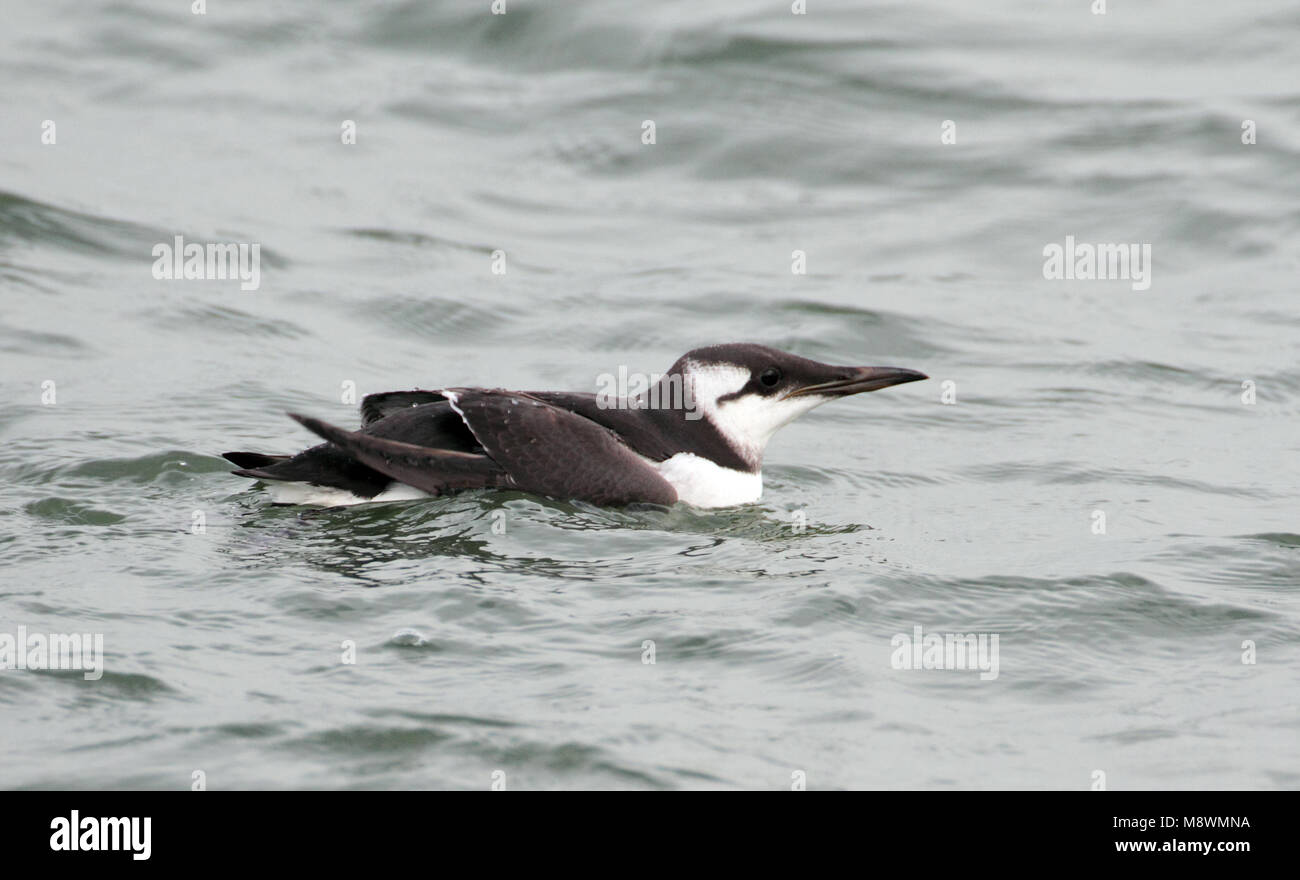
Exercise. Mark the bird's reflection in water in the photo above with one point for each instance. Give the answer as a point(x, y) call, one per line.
point(482, 534)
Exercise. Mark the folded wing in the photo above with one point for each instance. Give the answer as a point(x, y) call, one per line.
point(519, 441)
point(549, 450)
point(432, 470)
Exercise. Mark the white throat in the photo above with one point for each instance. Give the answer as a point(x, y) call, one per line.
point(747, 422)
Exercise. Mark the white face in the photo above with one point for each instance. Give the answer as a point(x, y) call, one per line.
point(748, 421)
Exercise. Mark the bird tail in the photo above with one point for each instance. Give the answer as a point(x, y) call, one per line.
point(249, 462)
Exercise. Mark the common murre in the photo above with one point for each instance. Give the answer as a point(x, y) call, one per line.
point(698, 436)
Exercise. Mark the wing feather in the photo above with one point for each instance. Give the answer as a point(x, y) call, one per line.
point(549, 450)
point(432, 470)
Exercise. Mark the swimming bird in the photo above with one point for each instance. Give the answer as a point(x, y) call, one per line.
point(695, 434)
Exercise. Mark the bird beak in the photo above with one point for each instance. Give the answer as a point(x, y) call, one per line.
point(855, 380)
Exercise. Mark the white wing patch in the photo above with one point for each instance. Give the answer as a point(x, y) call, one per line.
point(453, 400)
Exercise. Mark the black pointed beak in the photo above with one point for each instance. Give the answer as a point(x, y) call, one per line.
point(855, 380)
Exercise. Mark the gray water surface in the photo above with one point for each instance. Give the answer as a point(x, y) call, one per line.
point(520, 649)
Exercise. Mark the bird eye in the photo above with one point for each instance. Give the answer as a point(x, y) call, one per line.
point(770, 376)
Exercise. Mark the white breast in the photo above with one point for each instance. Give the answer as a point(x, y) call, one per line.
point(702, 483)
